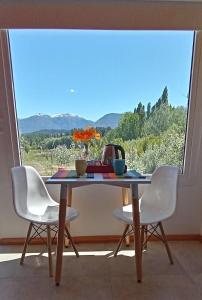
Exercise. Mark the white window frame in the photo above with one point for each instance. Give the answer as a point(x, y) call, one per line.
point(8, 117)
point(194, 121)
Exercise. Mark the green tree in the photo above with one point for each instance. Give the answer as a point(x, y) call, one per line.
point(159, 121)
point(163, 100)
point(169, 152)
point(24, 146)
point(129, 126)
point(164, 97)
point(65, 156)
point(178, 117)
point(148, 110)
point(142, 114)
point(112, 135)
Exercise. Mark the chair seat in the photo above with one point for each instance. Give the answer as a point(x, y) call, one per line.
point(51, 215)
point(147, 216)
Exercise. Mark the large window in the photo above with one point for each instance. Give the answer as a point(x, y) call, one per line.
point(132, 86)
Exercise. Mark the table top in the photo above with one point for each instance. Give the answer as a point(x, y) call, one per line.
point(99, 179)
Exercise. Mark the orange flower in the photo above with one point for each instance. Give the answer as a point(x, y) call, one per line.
point(85, 135)
point(97, 136)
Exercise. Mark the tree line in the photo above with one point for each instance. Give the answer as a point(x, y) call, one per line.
point(154, 120)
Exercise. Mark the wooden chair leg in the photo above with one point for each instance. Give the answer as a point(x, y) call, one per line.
point(166, 243)
point(121, 240)
point(71, 240)
point(26, 244)
point(49, 251)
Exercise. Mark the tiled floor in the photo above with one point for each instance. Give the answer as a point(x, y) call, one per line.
point(98, 275)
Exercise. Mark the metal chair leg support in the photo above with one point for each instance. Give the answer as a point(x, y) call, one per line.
point(166, 243)
point(49, 251)
point(71, 240)
point(26, 244)
point(121, 240)
point(142, 236)
point(66, 239)
point(146, 236)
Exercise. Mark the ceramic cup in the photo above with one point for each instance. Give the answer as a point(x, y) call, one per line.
point(80, 166)
point(119, 166)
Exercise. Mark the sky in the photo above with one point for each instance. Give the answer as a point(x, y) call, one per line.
point(94, 72)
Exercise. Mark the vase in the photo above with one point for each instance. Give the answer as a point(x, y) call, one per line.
point(86, 151)
point(80, 166)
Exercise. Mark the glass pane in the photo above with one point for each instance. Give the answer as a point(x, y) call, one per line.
point(130, 86)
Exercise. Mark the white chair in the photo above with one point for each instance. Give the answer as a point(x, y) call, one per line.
point(33, 203)
point(157, 203)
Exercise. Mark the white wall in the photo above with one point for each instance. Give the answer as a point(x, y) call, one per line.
point(96, 203)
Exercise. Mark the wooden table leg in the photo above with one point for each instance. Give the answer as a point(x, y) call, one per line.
point(137, 237)
point(69, 204)
point(61, 228)
point(125, 201)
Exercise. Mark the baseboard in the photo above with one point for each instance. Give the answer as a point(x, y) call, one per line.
point(101, 239)
point(115, 238)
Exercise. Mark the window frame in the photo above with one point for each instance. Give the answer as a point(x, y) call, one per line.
point(186, 143)
point(192, 19)
point(194, 122)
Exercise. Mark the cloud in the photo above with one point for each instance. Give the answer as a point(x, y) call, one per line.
point(72, 91)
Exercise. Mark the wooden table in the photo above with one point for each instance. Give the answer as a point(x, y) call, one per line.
point(66, 192)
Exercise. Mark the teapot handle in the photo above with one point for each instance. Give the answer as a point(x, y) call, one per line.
point(118, 147)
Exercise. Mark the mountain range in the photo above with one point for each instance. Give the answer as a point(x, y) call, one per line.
point(65, 121)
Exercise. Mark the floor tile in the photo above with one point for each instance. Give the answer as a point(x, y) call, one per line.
point(97, 275)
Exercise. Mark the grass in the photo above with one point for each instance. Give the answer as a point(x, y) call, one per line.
point(42, 161)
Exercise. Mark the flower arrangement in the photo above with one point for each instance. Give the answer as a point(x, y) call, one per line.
point(85, 135)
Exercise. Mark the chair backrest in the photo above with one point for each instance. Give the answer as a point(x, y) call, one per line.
point(29, 192)
point(161, 194)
